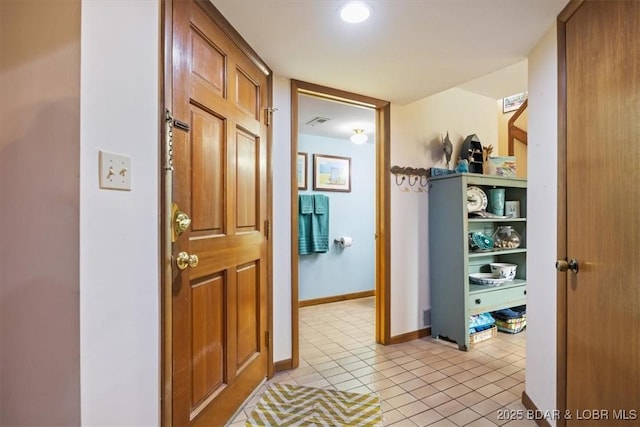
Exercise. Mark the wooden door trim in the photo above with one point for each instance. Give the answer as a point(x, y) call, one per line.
point(561, 241)
point(383, 223)
point(295, 327)
point(166, 100)
point(270, 363)
point(561, 278)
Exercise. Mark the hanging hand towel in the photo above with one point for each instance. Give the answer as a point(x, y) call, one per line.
point(305, 212)
point(321, 204)
point(320, 224)
point(306, 203)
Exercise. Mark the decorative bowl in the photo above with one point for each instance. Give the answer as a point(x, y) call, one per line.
point(503, 270)
point(487, 279)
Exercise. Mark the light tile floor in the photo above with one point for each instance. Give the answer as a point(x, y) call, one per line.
point(424, 382)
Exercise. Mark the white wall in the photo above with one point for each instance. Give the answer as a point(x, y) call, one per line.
point(416, 142)
point(542, 226)
point(281, 167)
point(119, 249)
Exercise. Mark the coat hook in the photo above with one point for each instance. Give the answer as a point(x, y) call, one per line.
point(407, 174)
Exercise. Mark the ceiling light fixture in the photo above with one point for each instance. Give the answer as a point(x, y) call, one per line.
point(355, 12)
point(359, 137)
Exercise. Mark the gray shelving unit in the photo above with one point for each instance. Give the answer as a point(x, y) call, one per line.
point(453, 298)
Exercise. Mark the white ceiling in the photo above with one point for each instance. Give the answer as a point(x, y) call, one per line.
point(406, 51)
point(343, 118)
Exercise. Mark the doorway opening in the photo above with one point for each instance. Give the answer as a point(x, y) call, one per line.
point(382, 205)
point(333, 169)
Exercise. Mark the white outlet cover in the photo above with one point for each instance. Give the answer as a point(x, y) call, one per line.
point(115, 171)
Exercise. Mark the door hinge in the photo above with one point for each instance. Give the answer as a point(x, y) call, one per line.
point(267, 229)
point(267, 339)
point(269, 115)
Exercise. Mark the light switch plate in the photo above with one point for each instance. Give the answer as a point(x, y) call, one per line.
point(115, 171)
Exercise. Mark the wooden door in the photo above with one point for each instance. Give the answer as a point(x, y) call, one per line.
point(219, 307)
point(603, 213)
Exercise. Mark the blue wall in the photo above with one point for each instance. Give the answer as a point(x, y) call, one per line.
point(342, 271)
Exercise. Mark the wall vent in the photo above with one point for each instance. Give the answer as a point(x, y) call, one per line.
point(426, 317)
point(317, 121)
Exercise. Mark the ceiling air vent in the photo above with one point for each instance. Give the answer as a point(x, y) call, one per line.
point(317, 121)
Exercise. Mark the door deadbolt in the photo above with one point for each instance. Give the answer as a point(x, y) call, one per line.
point(564, 265)
point(185, 260)
point(180, 222)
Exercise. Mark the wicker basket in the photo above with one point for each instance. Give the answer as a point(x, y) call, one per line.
point(512, 326)
point(483, 335)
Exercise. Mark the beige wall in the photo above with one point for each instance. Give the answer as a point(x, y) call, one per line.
point(416, 130)
point(39, 232)
point(415, 141)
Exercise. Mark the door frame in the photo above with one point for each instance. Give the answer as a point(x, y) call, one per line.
point(166, 185)
point(561, 278)
point(383, 223)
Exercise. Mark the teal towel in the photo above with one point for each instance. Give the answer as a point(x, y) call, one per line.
point(306, 203)
point(321, 203)
point(320, 225)
point(304, 224)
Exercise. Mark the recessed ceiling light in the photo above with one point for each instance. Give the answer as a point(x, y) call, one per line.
point(355, 12)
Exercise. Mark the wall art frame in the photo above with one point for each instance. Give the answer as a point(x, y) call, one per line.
point(513, 102)
point(331, 173)
point(301, 163)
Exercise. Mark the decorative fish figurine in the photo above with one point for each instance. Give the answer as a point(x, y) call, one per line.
point(447, 147)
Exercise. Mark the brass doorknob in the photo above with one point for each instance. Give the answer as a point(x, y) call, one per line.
point(184, 260)
point(564, 265)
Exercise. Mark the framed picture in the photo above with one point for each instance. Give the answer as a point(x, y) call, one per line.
point(501, 166)
point(513, 102)
point(331, 173)
point(301, 171)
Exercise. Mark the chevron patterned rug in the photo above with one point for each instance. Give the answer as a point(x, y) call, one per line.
point(290, 405)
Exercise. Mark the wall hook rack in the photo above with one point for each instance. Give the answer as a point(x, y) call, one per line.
point(410, 175)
